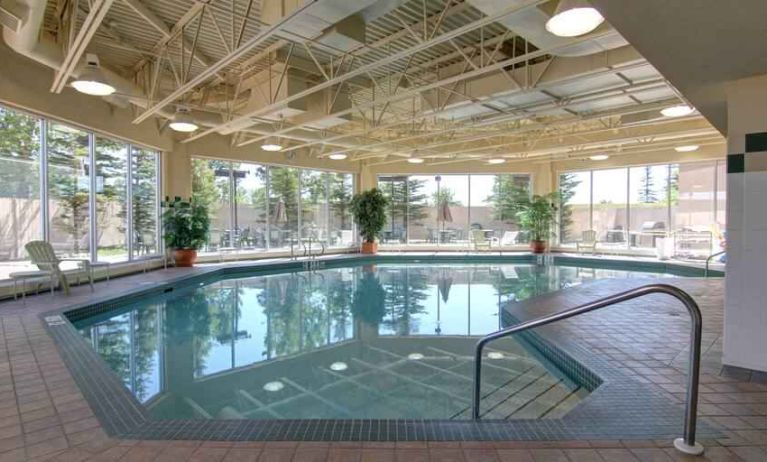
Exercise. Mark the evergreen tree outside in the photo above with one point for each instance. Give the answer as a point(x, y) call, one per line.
point(568, 182)
point(646, 191)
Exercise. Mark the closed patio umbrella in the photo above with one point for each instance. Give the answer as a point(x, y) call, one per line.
point(280, 214)
point(444, 215)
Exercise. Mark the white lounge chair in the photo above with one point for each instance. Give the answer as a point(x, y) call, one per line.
point(42, 255)
point(509, 238)
point(479, 239)
point(588, 241)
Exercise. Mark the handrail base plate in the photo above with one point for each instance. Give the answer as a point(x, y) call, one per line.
point(694, 450)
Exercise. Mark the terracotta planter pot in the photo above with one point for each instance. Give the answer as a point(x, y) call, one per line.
point(369, 247)
point(538, 246)
point(185, 257)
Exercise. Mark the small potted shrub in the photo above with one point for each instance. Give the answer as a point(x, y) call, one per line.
point(369, 210)
point(536, 216)
point(185, 229)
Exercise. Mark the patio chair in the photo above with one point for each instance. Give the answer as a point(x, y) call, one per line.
point(588, 241)
point(479, 239)
point(509, 237)
point(42, 255)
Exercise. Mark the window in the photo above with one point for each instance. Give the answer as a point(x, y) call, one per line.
point(111, 199)
point(649, 205)
point(250, 205)
point(20, 204)
point(314, 201)
point(340, 222)
point(575, 211)
point(72, 187)
point(609, 211)
point(683, 202)
point(144, 180)
point(395, 189)
point(283, 206)
point(68, 190)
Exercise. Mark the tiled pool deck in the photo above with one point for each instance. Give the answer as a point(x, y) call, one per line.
point(43, 415)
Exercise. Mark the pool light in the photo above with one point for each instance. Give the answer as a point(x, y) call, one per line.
point(599, 157)
point(337, 156)
point(415, 356)
point(573, 18)
point(338, 366)
point(274, 386)
point(687, 148)
point(677, 111)
point(495, 355)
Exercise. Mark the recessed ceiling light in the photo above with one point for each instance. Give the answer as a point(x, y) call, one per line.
point(415, 356)
point(91, 80)
point(415, 160)
point(599, 157)
point(688, 148)
point(495, 355)
point(573, 18)
point(274, 386)
point(182, 122)
point(339, 366)
point(337, 156)
point(677, 111)
point(496, 160)
point(271, 147)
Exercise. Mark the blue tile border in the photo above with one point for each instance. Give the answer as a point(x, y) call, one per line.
point(653, 416)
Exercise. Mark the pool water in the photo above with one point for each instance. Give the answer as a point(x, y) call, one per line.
point(383, 341)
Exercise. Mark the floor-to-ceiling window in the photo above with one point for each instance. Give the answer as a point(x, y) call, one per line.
point(447, 210)
point(90, 196)
point(68, 189)
point(640, 207)
point(259, 207)
point(20, 199)
point(340, 221)
point(111, 199)
point(145, 173)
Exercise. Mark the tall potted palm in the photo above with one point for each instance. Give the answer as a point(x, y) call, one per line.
point(537, 216)
point(369, 211)
point(186, 225)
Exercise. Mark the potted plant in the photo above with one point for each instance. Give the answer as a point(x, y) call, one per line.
point(185, 229)
point(536, 216)
point(369, 210)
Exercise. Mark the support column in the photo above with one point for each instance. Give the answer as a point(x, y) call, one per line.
point(745, 315)
point(177, 177)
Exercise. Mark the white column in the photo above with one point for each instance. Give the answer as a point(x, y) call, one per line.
point(745, 316)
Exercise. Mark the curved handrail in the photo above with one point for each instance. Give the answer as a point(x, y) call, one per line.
point(686, 444)
point(708, 260)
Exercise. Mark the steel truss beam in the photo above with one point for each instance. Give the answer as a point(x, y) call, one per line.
point(359, 71)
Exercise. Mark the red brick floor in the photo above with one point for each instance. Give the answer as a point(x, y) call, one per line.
point(43, 416)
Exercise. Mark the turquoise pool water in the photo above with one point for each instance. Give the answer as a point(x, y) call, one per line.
point(382, 341)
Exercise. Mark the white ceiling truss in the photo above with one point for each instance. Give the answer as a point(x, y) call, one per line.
point(446, 80)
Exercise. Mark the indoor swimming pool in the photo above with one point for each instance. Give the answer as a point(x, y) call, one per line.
point(357, 341)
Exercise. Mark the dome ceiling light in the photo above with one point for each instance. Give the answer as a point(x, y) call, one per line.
point(337, 156)
point(183, 122)
point(573, 18)
point(599, 157)
point(677, 111)
point(687, 148)
point(496, 160)
point(91, 80)
point(415, 160)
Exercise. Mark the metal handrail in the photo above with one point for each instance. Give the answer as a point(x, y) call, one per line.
point(708, 260)
point(686, 444)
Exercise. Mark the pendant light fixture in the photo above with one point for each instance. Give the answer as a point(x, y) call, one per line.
point(91, 80)
point(183, 122)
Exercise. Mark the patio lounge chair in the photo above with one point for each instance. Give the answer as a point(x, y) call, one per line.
point(479, 239)
point(509, 237)
point(588, 241)
point(41, 254)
